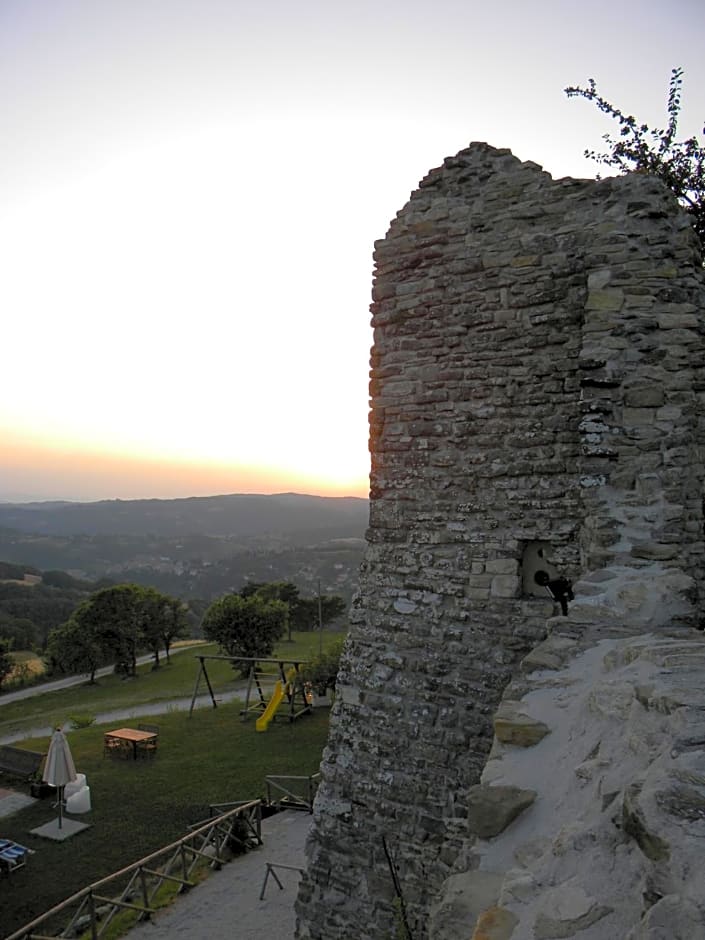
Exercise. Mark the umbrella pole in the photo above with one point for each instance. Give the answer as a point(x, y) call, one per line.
point(61, 805)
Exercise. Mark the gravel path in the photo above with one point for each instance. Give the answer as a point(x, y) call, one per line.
point(227, 905)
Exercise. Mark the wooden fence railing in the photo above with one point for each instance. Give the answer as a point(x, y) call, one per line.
point(134, 888)
point(292, 792)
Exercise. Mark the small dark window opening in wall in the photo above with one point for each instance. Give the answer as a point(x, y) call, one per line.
point(540, 578)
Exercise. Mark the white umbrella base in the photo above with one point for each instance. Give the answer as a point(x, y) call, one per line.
point(51, 830)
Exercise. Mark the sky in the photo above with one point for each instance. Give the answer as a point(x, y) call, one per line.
point(190, 191)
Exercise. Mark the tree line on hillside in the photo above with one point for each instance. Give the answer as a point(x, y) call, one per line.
point(192, 566)
point(30, 608)
point(30, 611)
point(297, 518)
point(331, 564)
point(115, 624)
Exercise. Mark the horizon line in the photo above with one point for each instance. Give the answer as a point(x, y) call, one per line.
point(34, 500)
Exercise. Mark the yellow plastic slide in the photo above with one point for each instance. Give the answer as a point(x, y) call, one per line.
point(275, 701)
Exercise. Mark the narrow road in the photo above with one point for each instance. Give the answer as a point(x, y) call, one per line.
point(133, 711)
point(41, 687)
point(115, 715)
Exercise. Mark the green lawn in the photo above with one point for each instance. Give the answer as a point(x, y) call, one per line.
point(173, 681)
point(139, 806)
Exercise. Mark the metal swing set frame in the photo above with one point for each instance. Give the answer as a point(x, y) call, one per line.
point(261, 686)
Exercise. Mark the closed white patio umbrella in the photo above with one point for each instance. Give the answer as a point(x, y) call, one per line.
point(59, 768)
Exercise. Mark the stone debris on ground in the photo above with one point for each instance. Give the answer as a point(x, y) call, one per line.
point(611, 845)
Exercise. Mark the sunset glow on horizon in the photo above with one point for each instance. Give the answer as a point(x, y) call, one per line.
point(84, 475)
point(190, 193)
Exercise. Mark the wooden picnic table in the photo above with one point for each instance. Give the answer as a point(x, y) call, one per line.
point(130, 736)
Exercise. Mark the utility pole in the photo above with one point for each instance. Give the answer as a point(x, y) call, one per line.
point(320, 621)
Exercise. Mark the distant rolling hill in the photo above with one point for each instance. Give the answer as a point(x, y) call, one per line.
point(247, 516)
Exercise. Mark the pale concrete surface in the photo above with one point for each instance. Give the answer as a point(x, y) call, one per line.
point(11, 802)
point(52, 830)
point(227, 905)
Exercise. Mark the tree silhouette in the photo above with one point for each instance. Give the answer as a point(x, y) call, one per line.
point(680, 164)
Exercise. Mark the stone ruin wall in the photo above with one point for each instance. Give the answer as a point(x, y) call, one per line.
point(537, 378)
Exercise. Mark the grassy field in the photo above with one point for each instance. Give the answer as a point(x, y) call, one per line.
point(138, 806)
point(169, 682)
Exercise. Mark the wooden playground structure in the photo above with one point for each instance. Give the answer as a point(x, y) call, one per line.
point(266, 691)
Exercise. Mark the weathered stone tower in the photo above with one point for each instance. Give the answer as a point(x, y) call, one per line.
point(537, 413)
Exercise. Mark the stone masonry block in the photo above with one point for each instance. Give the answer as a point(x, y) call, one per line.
point(502, 566)
point(609, 298)
point(505, 585)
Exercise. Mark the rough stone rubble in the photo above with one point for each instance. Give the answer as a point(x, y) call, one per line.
point(590, 813)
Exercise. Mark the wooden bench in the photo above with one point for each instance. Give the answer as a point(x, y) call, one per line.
point(19, 762)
